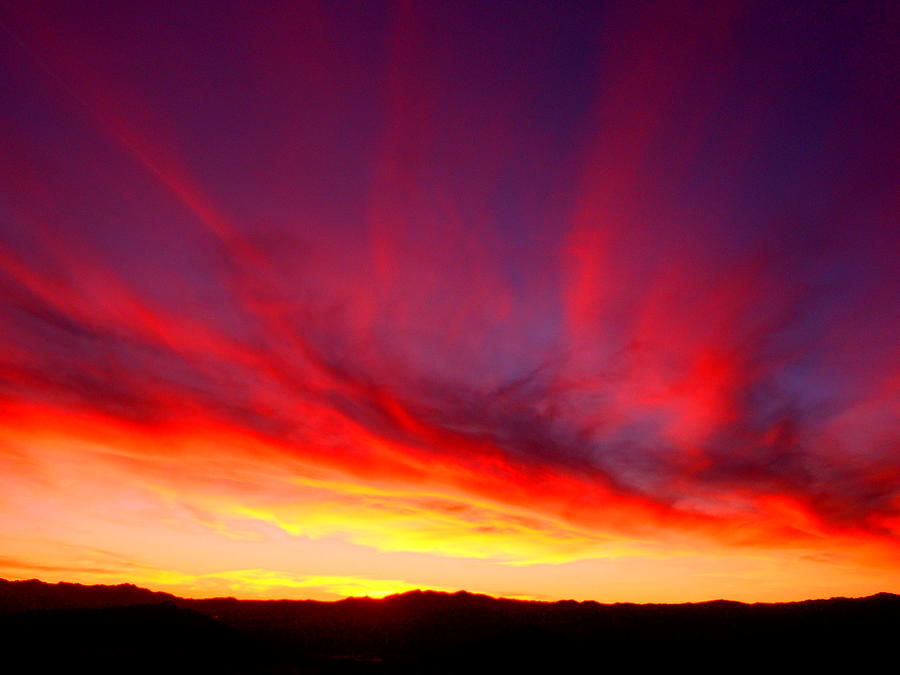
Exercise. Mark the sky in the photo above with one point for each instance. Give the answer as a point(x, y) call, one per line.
point(540, 300)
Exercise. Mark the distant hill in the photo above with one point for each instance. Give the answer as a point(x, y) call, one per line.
point(20, 596)
point(129, 629)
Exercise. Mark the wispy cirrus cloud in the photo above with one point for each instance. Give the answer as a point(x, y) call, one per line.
point(431, 320)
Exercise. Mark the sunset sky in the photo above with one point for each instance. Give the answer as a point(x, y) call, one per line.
point(591, 300)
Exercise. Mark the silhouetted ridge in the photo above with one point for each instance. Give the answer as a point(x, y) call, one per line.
point(20, 596)
point(432, 632)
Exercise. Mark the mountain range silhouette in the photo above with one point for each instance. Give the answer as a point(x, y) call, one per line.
point(68, 627)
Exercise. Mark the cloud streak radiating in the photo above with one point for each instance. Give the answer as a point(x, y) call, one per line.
point(313, 302)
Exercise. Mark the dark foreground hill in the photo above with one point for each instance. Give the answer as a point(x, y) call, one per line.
point(74, 628)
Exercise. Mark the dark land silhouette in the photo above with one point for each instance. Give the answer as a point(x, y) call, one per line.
point(126, 629)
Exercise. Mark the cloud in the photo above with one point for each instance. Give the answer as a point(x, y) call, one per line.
point(374, 341)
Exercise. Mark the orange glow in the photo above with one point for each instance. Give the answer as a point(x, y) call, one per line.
point(89, 482)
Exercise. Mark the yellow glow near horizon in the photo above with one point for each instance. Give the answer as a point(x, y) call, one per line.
point(104, 514)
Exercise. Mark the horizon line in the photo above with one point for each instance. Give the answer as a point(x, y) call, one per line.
point(459, 592)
